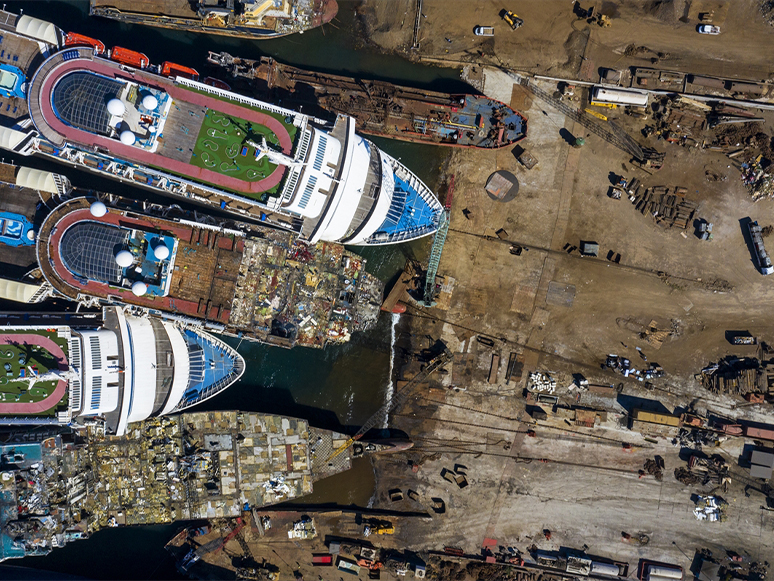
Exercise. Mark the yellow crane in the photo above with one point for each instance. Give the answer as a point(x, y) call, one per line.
point(596, 114)
point(397, 399)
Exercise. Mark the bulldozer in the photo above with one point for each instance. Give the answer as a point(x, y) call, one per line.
point(511, 18)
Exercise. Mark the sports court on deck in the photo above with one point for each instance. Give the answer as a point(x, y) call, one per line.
point(222, 146)
point(24, 355)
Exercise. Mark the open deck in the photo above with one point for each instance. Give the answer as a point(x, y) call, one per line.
point(188, 127)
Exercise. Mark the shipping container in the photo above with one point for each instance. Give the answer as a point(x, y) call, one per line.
point(348, 566)
point(605, 569)
point(654, 418)
point(759, 433)
point(322, 560)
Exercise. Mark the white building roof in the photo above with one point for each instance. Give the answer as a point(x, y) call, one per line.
point(10, 138)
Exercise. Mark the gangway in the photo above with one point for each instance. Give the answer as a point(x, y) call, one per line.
point(397, 399)
point(435, 253)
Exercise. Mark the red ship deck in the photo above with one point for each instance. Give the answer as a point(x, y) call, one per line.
point(204, 276)
point(46, 121)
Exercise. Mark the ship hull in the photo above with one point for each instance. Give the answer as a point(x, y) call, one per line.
point(383, 109)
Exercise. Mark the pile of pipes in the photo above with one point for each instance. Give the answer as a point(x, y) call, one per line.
point(541, 382)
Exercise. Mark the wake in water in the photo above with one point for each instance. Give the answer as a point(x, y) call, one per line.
point(390, 386)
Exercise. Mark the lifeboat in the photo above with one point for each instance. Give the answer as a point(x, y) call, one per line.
point(75, 39)
point(399, 308)
point(129, 57)
point(169, 69)
point(217, 83)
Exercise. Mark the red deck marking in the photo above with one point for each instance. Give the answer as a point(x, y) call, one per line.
point(56, 396)
point(154, 159)
point(289, 456)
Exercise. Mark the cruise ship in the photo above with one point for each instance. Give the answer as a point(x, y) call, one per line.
point(113, 113)
point(121, 369)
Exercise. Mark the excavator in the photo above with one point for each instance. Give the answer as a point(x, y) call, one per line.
point(511, 18)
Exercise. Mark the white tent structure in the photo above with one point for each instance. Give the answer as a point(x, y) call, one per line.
point(20, 292)
point(10, 138)
point(39, 29)
point(36, 179)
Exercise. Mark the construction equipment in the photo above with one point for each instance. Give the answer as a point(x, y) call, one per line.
point(435, 253)
point(398, 398)
point(603, 21)
point(511, 18)
point(211, 547)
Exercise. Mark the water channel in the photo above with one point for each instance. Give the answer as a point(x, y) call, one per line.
point(338, 387)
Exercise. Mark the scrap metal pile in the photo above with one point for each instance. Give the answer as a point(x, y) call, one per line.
point(624, 366)
point(704, 471)
point(541, 382)
point(710, 508)
point(758, 179)
point(732, 376)
point(667, 206)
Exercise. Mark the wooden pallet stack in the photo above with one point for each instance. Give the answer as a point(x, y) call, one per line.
point(667, 206)
point(737, 382)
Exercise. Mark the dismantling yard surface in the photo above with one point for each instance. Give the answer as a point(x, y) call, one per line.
point(222, 146)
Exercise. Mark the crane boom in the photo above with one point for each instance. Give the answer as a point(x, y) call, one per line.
point(397, 399)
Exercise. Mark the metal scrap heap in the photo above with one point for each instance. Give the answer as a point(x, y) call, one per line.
point(191, 466)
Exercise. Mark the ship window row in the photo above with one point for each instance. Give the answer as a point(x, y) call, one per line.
point(96, 353)
point(96, 391)
point(75, 352)
point(320, 155)
point(75, 393)
point(308, 192)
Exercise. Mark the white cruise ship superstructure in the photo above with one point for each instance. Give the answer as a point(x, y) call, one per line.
point(111, 112)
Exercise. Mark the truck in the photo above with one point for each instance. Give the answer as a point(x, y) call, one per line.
point(761, 256)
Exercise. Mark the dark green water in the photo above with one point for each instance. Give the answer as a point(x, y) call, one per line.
point(339, 387)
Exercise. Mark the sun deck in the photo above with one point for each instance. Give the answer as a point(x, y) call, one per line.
point(190, 133)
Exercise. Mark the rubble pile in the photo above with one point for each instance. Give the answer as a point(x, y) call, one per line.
point(541, 382)
point(767, 11)
point(654, 468)
point(685, 476)
point(710, 508)
point(624, 366)
point(303, 529)
point(759, 182)
point(667, 206)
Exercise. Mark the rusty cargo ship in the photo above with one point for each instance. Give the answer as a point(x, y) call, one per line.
point(381, 108)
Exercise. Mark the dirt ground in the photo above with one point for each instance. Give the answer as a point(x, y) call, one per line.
point(589, 491)
point(553, 41)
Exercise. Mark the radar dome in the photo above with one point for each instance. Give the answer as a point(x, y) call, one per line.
point(116, 107)
point(31, 235)
point(150, 102)
point(139, 288)
point(98, 209)
point(127, 137)
point(124, 258)
point(161, 251)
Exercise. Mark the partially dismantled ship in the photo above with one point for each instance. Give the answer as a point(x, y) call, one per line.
point(203, 465)
point(381, 108)
point(255, 19)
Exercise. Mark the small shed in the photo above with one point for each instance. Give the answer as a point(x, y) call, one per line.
point(761, 464)
point(589, 248)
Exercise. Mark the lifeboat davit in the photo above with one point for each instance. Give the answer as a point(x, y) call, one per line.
point(129, 57)
point(217, 83)
point(169, 69)
point(75, 39)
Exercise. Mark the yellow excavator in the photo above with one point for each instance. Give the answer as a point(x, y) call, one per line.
point(511, 18)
